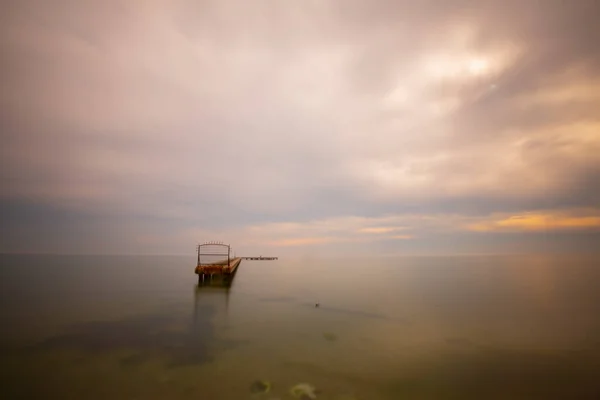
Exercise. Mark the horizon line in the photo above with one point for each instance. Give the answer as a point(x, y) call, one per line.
point(461, 254)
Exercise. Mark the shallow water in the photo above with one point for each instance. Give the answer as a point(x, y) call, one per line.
point(492, 327)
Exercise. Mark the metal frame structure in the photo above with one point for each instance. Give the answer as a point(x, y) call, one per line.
point(218, 244)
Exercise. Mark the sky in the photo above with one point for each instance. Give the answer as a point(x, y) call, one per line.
point(300, 127)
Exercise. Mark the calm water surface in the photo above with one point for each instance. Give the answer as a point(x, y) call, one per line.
point(107, 327)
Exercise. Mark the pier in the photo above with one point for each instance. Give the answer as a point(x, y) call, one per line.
point(216, 263)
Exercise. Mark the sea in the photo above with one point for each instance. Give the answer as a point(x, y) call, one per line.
point(406, 327)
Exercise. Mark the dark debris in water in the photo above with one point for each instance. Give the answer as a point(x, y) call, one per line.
point(143, 332)
point(147, 336)
point(260, 387)
point(359, 313)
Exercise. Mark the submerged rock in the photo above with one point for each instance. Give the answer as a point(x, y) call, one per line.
point(260, 387)
point(304, 391)
point(329, 336)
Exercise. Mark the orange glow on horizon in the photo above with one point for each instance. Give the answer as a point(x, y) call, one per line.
point(404, 237)
point(537, 223)
point(380, 229)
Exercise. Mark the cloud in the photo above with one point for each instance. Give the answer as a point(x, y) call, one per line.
point(216, 117)
point(379, 230)
point(542, 222)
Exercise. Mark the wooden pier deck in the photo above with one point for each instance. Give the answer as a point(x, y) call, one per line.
point(220, 267)
point(220, 263)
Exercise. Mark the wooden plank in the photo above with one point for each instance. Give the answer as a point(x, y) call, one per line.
point(234, 265)
point(219, 268)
